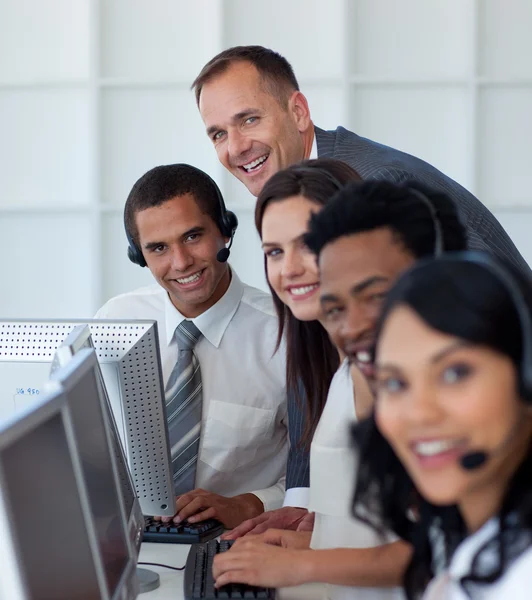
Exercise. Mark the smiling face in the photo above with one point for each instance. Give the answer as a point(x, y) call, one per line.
point(254, 136)
point(439, 398)
point(356, 272)
point(291, 267)
point(180, 243)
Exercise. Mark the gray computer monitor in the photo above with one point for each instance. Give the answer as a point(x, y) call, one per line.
point(80, 380)
point(78, 339)
point(128, 353)
point(48, 539)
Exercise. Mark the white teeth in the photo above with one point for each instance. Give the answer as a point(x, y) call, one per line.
point(434, 447)
point(363, 356)
point(300, 291)
point(190, 279)
point(255, 163)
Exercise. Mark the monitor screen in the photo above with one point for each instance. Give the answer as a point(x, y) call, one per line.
point(44, 512)
point(77, 340)
point(80, 381)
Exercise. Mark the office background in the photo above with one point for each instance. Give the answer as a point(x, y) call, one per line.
point(93, 93)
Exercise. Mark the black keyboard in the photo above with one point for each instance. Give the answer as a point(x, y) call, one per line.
point(184, 533)
point(199, 582)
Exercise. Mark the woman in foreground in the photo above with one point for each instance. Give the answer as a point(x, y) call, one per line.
point(446, 461)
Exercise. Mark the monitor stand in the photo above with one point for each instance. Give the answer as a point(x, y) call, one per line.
point(148, 580)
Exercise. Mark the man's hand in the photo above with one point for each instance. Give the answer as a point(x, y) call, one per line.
point(261, 564)
point(288, 517)
point(199, 505)
point(307, 523)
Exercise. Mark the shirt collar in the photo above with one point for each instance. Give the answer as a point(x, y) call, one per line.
point(215, 320)
point(314, 149)
point(466, 551)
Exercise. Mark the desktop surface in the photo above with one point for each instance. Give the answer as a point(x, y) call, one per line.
point(171, 587)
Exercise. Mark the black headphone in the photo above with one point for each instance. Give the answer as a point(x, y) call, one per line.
point(227, 223)
point(438, 233)
point(507, 280)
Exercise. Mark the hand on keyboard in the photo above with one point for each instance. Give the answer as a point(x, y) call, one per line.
point(199, 505)
point(260, 564)
point(295, 540)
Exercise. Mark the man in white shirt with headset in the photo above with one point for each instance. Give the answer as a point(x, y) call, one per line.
point(177, 225)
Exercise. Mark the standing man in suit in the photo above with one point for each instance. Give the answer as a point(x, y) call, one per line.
point(259, 123)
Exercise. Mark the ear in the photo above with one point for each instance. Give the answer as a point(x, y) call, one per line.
point(298, 108)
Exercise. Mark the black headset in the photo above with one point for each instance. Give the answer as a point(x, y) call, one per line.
point(438, 233)
point(507, 280)
point(227, 222)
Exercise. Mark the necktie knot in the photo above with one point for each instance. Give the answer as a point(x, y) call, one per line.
point(187, 335)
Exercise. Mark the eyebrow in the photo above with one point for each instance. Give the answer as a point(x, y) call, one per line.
point(152, 245)
point(247, 112)
point(434, 359)
point(297, 239)
point(358, 288)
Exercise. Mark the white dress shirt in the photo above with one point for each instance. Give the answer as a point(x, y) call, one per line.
point(299, 496)
point(244, 441)
point(515, 583)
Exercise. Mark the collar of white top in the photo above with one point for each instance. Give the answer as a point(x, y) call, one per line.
point(464, 554)
point(215, 320)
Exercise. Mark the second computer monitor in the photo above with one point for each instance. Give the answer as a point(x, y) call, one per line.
point(49, 542)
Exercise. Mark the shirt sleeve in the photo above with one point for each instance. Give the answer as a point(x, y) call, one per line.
point(297, 497)
point(272, 497)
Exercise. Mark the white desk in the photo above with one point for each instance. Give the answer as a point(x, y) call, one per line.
point(171, 587)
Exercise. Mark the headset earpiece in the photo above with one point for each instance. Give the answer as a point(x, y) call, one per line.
point(439, 245)
point(523, 312)
point(134, 253)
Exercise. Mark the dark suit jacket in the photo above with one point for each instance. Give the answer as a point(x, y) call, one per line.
point(376, 161)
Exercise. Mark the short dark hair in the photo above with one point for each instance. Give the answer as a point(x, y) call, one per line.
point(311, 358)
point(375, 204)
point(165, 182)
point(275, 71)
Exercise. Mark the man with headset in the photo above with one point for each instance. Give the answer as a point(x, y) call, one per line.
point(225, 386)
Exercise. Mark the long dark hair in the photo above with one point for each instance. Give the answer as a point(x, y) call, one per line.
point(311, 358)
point(464, 298)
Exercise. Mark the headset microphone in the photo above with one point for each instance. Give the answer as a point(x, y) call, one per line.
point(223, 254)
point(473, 460)
point(476, 459)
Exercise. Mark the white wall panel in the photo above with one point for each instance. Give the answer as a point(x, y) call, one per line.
point(411, 38)
point(47, 273)
point(44, 148)
point(505, 150)
point(159, 39)
point(44, 40)
point(505, 45)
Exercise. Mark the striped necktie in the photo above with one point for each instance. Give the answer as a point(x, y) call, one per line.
point(183, 408)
